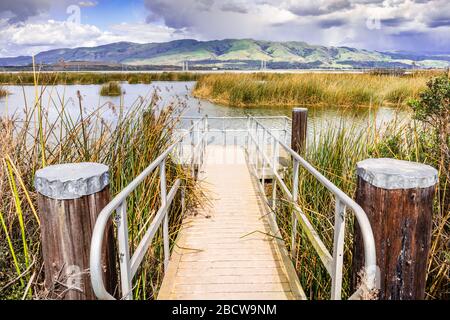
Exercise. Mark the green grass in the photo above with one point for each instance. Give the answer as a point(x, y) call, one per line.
point(27, 78)
point(335, 152)
point(264, 89)
point(111, 89)
point(126, 146)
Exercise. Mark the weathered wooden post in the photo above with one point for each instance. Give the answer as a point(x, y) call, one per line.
point(299, 126)
point(70, 197)
point(397, 197)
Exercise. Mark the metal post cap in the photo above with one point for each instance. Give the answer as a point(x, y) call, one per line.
point(71, 180)
point(392, 174)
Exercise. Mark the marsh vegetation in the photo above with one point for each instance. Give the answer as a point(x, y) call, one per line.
point(127, 145)
point(309, 89)
point(335, 152)
point(111, 89)
point(53, 78)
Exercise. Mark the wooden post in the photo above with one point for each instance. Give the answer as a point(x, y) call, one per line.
point(70, 197)
point(397, 197)
point(299, 126)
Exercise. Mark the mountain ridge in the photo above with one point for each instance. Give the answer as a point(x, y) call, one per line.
point(233, 54)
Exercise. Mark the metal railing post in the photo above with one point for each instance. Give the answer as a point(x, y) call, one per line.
point(124, 251)
point(247, 138)
point(257, 154)
point(285, 130)
point(162, 177)
point(183, 199)
point(192, 160)
point(206, 136)
point(338, 250)
point(275, 171)
point(294, 200)
point(263, 162)
point(224, 133)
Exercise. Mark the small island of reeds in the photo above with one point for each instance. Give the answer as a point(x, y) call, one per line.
point(3, 92)
point(111, 89)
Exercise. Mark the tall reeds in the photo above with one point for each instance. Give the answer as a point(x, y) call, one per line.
point(335, 152)
point(27, 78)
point(127, 144)
point(265, 89)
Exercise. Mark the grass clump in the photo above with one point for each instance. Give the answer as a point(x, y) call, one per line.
point(3, 92)
point(264, 89)
point(111, 89)
point(127, 144)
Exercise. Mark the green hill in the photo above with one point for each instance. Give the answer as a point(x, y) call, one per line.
point(233, 54)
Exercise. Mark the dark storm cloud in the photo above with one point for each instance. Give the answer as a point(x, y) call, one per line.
point(438, 19)
point(393, 22)
point(318, 8)
point(330, 23)
point(234, 7)
point(176, 14)
point(440, 22)
point(21, 10)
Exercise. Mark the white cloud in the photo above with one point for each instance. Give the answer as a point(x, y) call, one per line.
point(32, 38)
point(145, 33)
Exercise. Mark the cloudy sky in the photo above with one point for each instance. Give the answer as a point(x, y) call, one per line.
point(30, 26)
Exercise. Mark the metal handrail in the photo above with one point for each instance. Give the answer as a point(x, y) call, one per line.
point(333, 263)
point(257, 156)
point(223, 130)
point(129, 267)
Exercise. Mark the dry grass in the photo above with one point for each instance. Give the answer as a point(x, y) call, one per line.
point(264, 89)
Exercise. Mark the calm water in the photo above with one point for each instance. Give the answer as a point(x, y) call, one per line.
point(177, 94)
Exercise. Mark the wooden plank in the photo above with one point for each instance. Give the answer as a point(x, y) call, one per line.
point(278, 271)
point(229, 257)
point(276, 295)
point(231, 287)
point(229, 279)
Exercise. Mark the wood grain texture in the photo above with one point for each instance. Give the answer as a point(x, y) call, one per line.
point(299, 129)
point(401, 221)
point(66, 231)
point(226, 251)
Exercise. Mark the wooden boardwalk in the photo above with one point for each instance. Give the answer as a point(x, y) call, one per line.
point(227, 251)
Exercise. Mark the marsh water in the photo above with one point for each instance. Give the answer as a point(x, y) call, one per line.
point(177, 94)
